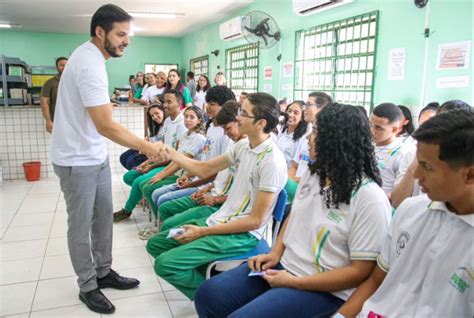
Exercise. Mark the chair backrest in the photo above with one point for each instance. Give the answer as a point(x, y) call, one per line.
point(278, 213)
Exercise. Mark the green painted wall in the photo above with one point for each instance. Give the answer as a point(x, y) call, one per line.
point(401, 25)
point(43, 48)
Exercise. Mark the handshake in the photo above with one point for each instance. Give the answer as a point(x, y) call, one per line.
point(158, 151)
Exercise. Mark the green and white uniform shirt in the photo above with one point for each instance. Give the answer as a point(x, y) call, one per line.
point(319, 239)
point(428, 255)
point(288, 146)
point(260, 169)
point(191, 145)
point(173, 130)
point(223, 180)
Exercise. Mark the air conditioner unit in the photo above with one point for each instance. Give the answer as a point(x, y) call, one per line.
point(231, 29)
point(307, 7)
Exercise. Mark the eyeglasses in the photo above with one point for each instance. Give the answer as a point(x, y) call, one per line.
point(308, 105)
point(243, 113)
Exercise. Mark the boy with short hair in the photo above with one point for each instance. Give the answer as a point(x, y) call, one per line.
point(425, 266)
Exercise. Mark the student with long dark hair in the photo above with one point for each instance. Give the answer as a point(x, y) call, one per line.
point(202, 87)
point(330, 241)
point(174, 82)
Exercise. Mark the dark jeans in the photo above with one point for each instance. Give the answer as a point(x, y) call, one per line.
point(234, 294)
point(131, 159)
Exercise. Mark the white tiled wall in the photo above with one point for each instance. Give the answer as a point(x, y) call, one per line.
point(23, 138)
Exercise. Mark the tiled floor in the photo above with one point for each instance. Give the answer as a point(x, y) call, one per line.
point(36, 276)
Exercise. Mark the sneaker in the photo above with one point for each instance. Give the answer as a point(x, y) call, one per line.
point(121, 215)
point(147, 233)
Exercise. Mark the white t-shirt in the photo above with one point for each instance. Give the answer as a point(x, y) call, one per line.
point(319, 239)
point(173, 130)
point(260, 169)
point(84, 83)
point(224, 179)
point(216, 142)
point(151, 92)
point(288, 146)
point(428, 255)
point(191, 145)
point(393, 161)
point(200, 99)
point(302, 158)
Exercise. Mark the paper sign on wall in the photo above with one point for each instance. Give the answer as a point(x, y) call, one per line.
point(288, 69)
point(453, 55)
point(267, 72)
point(396, 64)
point(267, 88)
point(452, 81)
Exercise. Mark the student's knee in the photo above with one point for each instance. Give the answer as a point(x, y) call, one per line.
point(163, 268)
point(153, 246)
point(204, 300)
point(164, 211)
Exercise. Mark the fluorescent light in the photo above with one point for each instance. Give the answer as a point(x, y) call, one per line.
point(9, 25)
point(161, 15)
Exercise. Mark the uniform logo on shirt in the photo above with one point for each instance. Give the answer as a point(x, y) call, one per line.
point(207, 146)
point(402, 242)
point(462, 279)
point(305, 190)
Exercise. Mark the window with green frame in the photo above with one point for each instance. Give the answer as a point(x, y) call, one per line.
point(242, 68)
point(200, 65)
point(338, 58)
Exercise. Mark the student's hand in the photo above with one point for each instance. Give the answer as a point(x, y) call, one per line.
point(156, 178)
point(206, 199)
point(263, 262)
point(49, 126)
point(161, 152)
point(182, 180)
point(198, 194)
point(191, 233)
point(279, 278)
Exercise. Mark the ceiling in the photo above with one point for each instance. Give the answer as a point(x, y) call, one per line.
point(69, 16)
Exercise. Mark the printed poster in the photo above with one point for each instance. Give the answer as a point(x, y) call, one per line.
point(396, 64)
point(453, 55)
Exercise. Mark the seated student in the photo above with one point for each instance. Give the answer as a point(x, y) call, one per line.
point(202, 87)
point(425, 268)
point(209, 198)
point(239, 224)
point(219, 79)
point(408, 186)
point(243, 97)
point(155, 117)
point(190, 145)
point(315, 103)
point(290, 138)
point(427, 112)
point(330, 241)
point(156, 88)
point(174, 82)
point(407, 127)
point(173, 130)
point(394, 155)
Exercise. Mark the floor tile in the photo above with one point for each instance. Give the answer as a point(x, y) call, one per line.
point(27, 233)
point(129, 238)
point(130, 257)
point(12, 251)
point(57, 246)
point(37, 203)
point(165, 285)
point(71, 311)
point(16, 298)
point(53, 293)
point(6, 218)
point(32, 219)
point(57, 266)
point(152, 305)
point(59, 229)
point(20, 271)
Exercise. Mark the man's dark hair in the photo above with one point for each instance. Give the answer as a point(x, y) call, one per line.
point(105, 17)
point(219, 95)
point(343, 132)
point(389, 111)
point(322, 99)
point(228, 113)
point(177, 94)
point(190, 74)
point(265, 106)
point(60, 59)
point(453, 131)
point(408, 128)
point(453, 104)
point(244, 93)
point(131, 77)
point(432, 107)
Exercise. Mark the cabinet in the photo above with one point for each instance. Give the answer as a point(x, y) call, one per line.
point(39, 76)
point(15, 81)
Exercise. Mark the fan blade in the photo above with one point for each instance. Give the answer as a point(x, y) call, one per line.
point(265, 39)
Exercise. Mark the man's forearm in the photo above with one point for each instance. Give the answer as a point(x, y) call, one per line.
point(45, 111)
point(123, 137)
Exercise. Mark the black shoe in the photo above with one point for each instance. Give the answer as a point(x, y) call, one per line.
point(97, 302)
point(114, 280)
point(121, 215)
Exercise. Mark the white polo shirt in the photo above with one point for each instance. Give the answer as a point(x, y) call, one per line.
point(173, 130)
point(319, 239)
point(288, 146)
point(260, 169)
point(302, 158)
point(216, 142)
point(84, 83)
point(428, 255)
point(393, 161)
point(191, 145)
point(151, 92)
point(223, 180)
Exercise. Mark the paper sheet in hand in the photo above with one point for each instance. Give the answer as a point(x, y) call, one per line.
point(252, 273)
point(175, 232)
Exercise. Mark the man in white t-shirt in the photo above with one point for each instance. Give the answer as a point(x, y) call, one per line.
point(394, 155)
point(238, 225)
point(79, 155)
point(425, 268)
